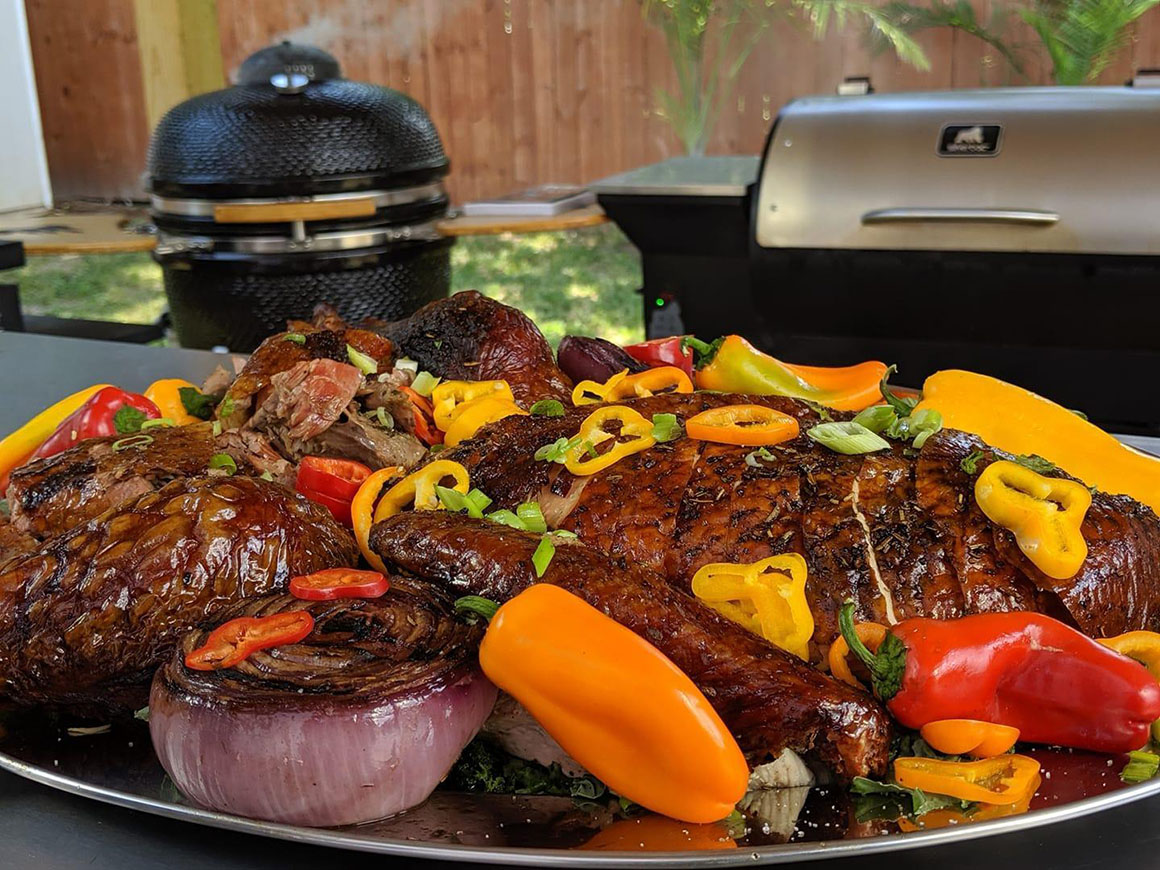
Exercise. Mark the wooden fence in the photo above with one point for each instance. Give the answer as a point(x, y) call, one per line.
point(522, 91)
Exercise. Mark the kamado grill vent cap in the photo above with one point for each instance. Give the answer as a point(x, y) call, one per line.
point(292, 127)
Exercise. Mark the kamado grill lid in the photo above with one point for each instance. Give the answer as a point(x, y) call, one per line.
point(293, 127)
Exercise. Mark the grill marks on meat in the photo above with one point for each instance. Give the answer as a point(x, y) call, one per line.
point(768, 698)
point(58, 492)
point(470, 337)
point(86, 619)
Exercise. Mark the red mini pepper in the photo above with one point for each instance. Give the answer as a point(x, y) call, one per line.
point(234, 641)
point(1026, 670)
point(331, 483)
point(109, 411)
point(671, 351)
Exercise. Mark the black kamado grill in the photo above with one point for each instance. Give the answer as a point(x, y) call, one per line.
point(291, 188)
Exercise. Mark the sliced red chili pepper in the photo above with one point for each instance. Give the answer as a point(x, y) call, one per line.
point(233, 641)
point(339, 478)
point(424, 413)
point(339, 583)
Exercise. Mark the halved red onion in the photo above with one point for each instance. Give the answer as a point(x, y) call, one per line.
point(359, 721)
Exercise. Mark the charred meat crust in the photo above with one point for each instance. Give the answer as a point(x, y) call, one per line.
point(769, 699)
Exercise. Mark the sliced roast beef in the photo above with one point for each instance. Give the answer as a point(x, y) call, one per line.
point(354, 436)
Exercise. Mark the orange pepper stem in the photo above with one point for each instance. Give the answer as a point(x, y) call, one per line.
point(477, 605)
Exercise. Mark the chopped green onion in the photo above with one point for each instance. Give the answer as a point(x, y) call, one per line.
point(543, 555)
point(901, 405)
point(138, 441)
point(532, 517)
point(970, 463)
point(384, 418)
point(365, 364)
point(752, 457)
point(665, 428)
point(217, 428)
point(153, 424)
point(547, 408)
point(590, 449)
point(1141, 766)
point(436, 448)
point(407, 365)
point(564, 534)
point(877, 418)
point(226, 408)
point(142, 714)
point(223, 460)
point(1036, 463)
point(477, 502)
point(296, 337)
point(267, 476)
point(924, 424)
point(196, 403)
point(452, 499)
point(556, 451)
point(507, 518)
point(849, 438)
point(424, 383)
point(128, 419)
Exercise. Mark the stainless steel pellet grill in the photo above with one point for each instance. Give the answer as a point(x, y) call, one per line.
point(291, 188)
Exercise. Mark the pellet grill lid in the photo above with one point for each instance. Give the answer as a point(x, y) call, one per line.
point(292, 127)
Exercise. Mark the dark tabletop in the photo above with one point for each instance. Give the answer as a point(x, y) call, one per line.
point(51, 830)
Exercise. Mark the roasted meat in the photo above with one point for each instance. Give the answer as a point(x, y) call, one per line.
point(470, 337)
point(770, 699)
point(86, 619)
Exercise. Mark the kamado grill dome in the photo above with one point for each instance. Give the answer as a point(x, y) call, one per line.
point(291, 188)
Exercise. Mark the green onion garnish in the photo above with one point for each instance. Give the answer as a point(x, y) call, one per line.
point(267, 476)
point(556, 451)
point(970, 463)
point(139, 441)
point(407, 365)
point(226, 407)
point(223, 460)
point(547, 408)
point(752, 457)
point(665, 428)
point(296, 337)
point(217, 428)
point(564, 534)
point(384, 418)
point(142, 714)
point(452, 499)
point(590, 449)
point(1141, 766)
point(477, 502)
point(153, 424)
point(849, 438)
point(424, 383)
point(362, 362)
point(924, 424)
point(532, 517)
point(542, 558)
point(507, 518)
point(876, 418)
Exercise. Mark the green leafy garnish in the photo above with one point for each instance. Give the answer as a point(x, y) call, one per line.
point(970, 463)
point(224, 460)
point(365, 364)
point(128, 420)
point(902, 405)
point(266, 476)
point(484, 767)
point(197, 403)
point(532, 517)
point(1036, 463)
point(564, 534)
point(849, 438)
point(217, 428)
point(296, 337)
point(919, 802)
point(752, 457)
point(542, 558)
point(1141, 766)
point(665, 428)
point(424, 383)
point(547, 408)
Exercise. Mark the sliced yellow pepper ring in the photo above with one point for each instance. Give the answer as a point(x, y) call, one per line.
point(418, 488)
point(362, 509)
point(870, 633)
point(473, 415)
point(662, 379)
point(449, 397)
point(1144, 647)
point(748, 425)
point(969, 737)
point(767, 597)
point(1044, 513)
point(1004, 780)
point(584, 459)
point(594, 392)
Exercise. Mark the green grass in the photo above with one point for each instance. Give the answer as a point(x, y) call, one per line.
point(581, 281)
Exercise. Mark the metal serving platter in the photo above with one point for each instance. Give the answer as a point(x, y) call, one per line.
point(118, 767)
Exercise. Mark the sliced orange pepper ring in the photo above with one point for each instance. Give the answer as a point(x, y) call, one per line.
point(418, 488)
point(662, 379)
point(449, 397)
point(870, 633)
point(747, 425)
point(986, 812)
point(473, 415)
point(969, 737)
point(584, 459)
point(362, 510)
point(1005, 779)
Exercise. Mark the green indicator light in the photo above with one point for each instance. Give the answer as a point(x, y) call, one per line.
point(660, 302)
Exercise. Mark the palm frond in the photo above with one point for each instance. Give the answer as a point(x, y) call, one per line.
point(959, 14)
point(1083, 36)
point(820, 13)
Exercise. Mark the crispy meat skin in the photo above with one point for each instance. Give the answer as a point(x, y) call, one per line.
point(767, 697)
point(85, 620)
point(470, 337)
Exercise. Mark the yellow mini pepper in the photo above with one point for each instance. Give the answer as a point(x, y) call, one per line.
point(473, 415)
point(766, 597)
point(418, 488)
point(622, 385)
point(450, 397)
point(583, 459)
point(1144, 647)
point(1018, 421)
point(166, 395)
point(19, 445)
point(1044, 513)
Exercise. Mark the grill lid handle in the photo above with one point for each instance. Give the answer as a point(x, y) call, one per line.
point(1021, 216)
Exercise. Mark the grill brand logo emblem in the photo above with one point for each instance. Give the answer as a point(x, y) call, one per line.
point(969, 140)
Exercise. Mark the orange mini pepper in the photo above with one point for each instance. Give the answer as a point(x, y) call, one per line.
point(614, 702)
point(362, 510)
point(166, 395)
point(871, 634)
point(654, 833)
point(969, 737)
point(1006, 779)
point(583, 458)
point(747, 425)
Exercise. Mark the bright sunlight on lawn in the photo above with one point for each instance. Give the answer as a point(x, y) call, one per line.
point(582, 281)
